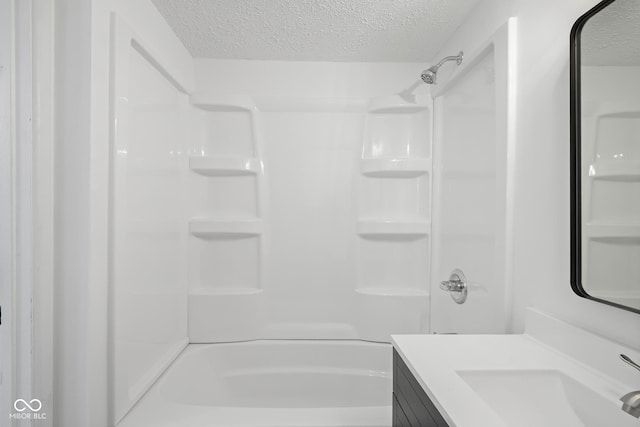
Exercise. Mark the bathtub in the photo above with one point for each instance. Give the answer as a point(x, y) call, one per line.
point(271, 383)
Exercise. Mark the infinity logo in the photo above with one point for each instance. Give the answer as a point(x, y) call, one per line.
point(37, 405)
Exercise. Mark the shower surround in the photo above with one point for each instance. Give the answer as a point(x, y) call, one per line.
point(295, 205)
point(310, 215)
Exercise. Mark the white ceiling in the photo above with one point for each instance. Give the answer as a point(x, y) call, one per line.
point(612, 36)
point(315, 30)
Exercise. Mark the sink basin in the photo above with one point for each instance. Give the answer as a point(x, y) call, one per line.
point(544, 398)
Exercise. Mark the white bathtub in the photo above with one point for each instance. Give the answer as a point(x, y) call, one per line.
point(272, 383)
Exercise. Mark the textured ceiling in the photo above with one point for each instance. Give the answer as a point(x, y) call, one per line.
point(315, 30)
point(612, 36)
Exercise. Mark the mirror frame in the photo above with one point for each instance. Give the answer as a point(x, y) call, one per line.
point(575, 155)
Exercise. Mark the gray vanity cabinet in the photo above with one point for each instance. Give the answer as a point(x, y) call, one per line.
point(411, 405)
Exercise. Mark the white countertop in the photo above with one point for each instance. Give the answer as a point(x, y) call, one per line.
point(435, 360)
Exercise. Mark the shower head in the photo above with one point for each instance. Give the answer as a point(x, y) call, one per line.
point(430, 75)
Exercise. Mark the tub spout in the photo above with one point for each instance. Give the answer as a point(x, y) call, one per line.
point(631, 401)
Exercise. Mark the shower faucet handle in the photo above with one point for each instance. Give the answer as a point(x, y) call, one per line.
point(455, 285)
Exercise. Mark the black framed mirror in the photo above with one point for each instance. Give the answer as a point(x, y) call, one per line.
point(605, 154)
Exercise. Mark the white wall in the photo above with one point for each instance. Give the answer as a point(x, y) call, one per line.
point(541, 246)
point(307, 79)
point(6, 211)
point(311, 268)
point(72, 393)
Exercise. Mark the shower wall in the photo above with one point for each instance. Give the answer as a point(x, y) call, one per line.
point(250, 199)
point(148, 120)
point(265, 200)
point(309, 201)
point(474, 145)
point(149, 247)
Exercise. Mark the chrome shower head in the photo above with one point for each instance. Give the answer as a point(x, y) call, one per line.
point(430, 75)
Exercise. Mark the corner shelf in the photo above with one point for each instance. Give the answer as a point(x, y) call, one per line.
point(394, 104)
point(618, 232)
point(393, 228)
point(395, 167)
point(225, 166)
point(213, 228)
point(222, 104)
point(620, 170)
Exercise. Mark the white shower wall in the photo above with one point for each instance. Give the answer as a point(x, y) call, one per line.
point(472, 216)
point(267, 200)
point(150, 120)
point(310, 201)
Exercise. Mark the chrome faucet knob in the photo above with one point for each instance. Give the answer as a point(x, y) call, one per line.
point(456, 286)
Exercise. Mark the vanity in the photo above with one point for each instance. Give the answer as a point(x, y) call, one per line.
point(554, 374)
point(412, 407)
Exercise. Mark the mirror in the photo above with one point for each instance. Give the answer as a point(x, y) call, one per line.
point(605, 154)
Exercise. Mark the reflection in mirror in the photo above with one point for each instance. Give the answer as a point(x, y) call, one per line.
point(608, 154)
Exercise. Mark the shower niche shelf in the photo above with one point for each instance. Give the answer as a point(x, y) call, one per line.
point(615, 170)
point(397, 129)
point(224, 166)
point(211, 229)
point(381, 228)
point(395, 167)
point(393, 223)
point(617, 232)
point(226, 127)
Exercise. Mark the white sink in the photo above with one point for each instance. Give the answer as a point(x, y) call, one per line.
point(544, 398)
point(553, 375)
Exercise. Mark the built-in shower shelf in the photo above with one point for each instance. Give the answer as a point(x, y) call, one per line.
point(225, 291)
point(395, 105)
point(616, 170)
point(395, 167)
point(222, 104)
point(393, 228)
point(613, 232)
point(224, 166)
point(399, 291)
point(213, 228)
